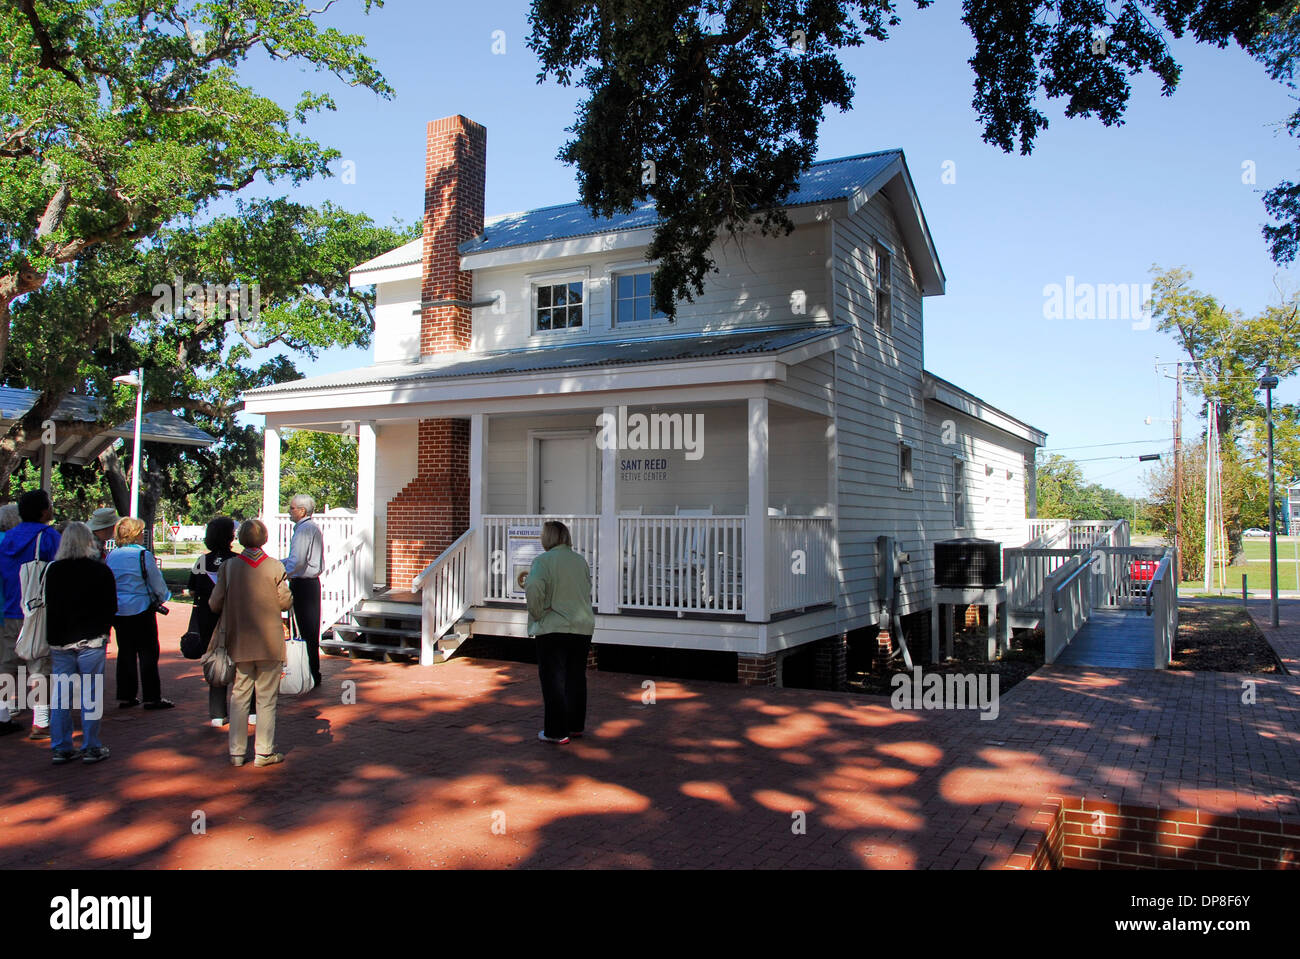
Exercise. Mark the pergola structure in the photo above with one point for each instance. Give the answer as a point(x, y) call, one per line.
point(61, 445)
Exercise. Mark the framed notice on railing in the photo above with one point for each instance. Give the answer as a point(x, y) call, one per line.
point(523, 545)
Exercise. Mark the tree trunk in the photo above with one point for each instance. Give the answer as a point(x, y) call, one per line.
point(117, 481)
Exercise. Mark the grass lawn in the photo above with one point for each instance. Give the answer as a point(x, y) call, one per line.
point(1256, 567)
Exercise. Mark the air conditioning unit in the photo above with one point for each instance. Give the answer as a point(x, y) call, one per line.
point(968, 563)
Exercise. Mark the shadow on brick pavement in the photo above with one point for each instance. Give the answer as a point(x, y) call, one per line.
point(440, 767)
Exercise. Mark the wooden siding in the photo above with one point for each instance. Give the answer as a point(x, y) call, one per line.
point(755, 286)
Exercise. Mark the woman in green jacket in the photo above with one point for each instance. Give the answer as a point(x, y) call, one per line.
point(560, 616)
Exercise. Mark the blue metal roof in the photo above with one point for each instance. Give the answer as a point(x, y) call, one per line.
point(824, 181)
point(158, 427)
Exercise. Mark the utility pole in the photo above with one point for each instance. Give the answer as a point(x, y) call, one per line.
point(1178, 472)
point(1269, 383)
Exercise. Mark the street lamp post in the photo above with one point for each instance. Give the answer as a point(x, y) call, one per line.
point(135, 379)
point(1269, 383)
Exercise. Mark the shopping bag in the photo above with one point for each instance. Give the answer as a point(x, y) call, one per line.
point(295, 675)
point(32, 644)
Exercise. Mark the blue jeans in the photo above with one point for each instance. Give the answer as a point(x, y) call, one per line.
point(87, 666)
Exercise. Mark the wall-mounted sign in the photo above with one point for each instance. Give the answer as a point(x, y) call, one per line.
point(523, 545)
point(652, 469)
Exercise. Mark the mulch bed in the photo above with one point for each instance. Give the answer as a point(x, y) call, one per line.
point(1221, 639)
point(1024, 656)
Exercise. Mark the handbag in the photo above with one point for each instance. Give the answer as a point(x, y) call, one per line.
point(295, 675)
point(155, 605)
point(32, 643)
point(218, 667)
point(192, 645)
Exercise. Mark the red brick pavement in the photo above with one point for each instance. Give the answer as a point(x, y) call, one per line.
point(1285, 640)
point(440, 766)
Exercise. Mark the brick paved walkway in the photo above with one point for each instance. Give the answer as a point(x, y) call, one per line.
point(1285, 640)
point(429, 760)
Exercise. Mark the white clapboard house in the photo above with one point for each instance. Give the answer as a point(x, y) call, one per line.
point(726, 474)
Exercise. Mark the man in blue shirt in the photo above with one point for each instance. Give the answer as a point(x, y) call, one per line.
point(305, 563)
point(19, 546)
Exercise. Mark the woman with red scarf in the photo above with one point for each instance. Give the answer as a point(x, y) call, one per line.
point(251, 592)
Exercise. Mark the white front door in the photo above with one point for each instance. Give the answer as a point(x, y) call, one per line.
point(565, 482)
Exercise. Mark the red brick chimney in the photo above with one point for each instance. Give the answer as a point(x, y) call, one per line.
point(454, 181)
point(433, 509)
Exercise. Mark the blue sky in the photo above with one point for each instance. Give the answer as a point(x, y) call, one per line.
point(1098, 204)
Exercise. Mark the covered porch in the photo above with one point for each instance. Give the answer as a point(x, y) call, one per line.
point(698, 488)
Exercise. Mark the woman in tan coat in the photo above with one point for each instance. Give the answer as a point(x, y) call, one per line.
point(251, 592)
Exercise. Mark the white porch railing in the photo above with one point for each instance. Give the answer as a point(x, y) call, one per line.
point(1041, 533)
point(682, 563)
point(336, 530)
point(585, 531)
point(445, 587)
point(343, 580)
point(798, 562)
point(1026, 571)
point(1162, 600)
point(1068, 595)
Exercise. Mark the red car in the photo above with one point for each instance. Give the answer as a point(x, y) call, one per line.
point(1141, 572)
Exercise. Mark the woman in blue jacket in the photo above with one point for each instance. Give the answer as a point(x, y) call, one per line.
point(141, 591)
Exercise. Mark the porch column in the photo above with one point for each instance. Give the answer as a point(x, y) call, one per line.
point(478, 558)
point(47, 468)
point(366, 459)
point(756, 517)
point(270, 473)
point(611, 563)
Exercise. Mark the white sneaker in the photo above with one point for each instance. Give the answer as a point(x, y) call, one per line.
point(217, 723)
point(252, 719)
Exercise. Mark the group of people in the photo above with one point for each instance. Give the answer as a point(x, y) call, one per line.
point(90, 590)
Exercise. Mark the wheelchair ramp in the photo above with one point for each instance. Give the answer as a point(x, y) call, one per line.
point(1118, 638)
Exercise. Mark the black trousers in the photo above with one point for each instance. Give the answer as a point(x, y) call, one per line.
point(562, 668)
point(306, 610)
point(137, 656)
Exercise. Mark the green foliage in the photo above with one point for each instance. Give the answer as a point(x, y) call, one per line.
point(1063, 493)
point(323, 465)
point(123, 120)
point(724, 97)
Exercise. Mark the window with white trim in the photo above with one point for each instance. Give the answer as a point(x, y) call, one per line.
point(959, 500)
point(884, 290)
point(633, 302)
point(905, 478)
point(558, 305)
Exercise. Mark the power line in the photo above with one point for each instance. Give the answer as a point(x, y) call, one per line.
point(1057, 449)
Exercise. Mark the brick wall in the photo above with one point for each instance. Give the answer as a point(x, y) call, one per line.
point(1075, 833)
point(427, 515)
point(433, 509)
point(756, 670)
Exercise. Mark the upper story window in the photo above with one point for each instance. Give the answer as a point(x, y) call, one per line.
point(961, 518)
point(906, 479)
point(559, 305)
point(884, 290)
point(633, 302)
